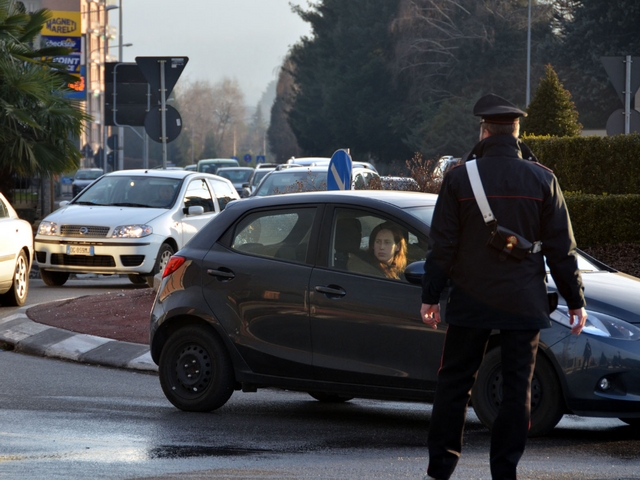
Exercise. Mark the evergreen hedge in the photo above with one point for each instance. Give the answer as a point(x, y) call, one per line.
point(604, 219)
point(600, 177)
point(594, 165)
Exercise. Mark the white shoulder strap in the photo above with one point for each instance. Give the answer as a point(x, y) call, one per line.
point(478, 191)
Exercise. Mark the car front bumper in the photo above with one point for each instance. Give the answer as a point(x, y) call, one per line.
point(112, 256)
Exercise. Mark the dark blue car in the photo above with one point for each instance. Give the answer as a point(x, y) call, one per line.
point(277, 292)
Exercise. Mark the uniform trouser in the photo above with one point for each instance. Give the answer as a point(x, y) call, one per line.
point(463, 352)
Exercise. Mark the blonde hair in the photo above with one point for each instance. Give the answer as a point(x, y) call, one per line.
point(398, 263)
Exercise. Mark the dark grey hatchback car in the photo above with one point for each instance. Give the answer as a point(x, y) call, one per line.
point(277, 292)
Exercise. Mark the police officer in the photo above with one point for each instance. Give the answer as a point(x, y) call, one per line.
point(488, 290)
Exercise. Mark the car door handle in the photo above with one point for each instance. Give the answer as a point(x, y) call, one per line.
point(332, 290)
point(221, 273)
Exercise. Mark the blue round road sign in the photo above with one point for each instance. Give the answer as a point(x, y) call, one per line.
point(339, 175)
point(247, 158)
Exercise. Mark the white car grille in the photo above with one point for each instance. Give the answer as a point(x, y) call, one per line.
point(83, 231)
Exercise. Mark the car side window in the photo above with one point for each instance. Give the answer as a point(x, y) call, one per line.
point(198, 194)
point(282, 234)
point(223, 192)
point(4, 211)
point(373, 245)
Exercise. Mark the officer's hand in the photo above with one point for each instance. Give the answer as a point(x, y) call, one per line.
point(577, 319)
point(430, 315)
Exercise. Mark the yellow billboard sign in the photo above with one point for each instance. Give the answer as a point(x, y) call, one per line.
point(63, 24)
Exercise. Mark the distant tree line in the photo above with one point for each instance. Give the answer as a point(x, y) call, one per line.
point(389, 78)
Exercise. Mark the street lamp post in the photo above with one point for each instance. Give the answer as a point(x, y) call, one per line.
point(529, 56)
point(120, 151)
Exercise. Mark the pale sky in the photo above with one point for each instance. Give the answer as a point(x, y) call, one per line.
point(242, 39)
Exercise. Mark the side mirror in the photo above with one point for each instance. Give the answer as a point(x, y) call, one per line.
point(63, 203)
point(414, 272)
point(194, 210)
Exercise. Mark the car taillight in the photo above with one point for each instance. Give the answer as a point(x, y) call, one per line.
point(172, 265)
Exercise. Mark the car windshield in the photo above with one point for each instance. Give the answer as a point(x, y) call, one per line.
point(291, 181)
point(259, 175)
point(131, 191)
point(87, 174)
point(423, 213)
point(235, 176)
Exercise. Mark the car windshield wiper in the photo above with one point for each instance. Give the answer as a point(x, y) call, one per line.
point(87, 203)
point(128, 204)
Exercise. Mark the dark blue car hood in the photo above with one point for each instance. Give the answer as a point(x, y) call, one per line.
point(616, 294)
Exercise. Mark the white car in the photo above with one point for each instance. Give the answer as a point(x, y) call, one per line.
point(128, 222)
point(16, 254)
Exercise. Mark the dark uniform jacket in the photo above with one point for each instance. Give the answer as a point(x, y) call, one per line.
point(485, 290)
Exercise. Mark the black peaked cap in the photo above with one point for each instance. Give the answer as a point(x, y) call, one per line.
point(495, 109)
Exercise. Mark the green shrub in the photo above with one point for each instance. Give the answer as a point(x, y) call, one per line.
point(594, 165)
point(604, 219)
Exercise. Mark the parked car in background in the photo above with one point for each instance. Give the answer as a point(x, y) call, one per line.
point(83, 178)
point(193, 167)
point(399, 183)
point(256, 177)
point(236, 175)
point(316, 161)
point(329, 324)
point(309, 161)
point(128, 222)
point(211, 165)
point(16, 255)
point(306, 179)
point(443, 165)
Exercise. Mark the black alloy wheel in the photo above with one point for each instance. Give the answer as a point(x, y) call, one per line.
point(196, 374)
point(547, 403)
point(54, 279)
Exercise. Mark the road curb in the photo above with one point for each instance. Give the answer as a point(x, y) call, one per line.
point(26, 336)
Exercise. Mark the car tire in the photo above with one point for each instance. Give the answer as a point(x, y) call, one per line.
point(329, 397)
point(164, 254)
point(547, 403)
point(54, 279)
point(137, 279)
point(195, 370)
point(16, 296)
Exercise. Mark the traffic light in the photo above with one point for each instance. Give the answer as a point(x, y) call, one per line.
point(110, 160)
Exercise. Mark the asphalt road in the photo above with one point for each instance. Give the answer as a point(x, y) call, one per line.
point(68, 420)
point(77, 287)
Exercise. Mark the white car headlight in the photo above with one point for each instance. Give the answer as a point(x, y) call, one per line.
point(132, 231)
point(48, 228)
point(600, 324)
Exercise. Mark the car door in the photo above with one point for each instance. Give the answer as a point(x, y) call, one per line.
point(8, 246)
point(366, 328)
point(197, 193)
point(257, 286)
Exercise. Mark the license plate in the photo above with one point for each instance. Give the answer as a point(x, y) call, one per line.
point(79, 250)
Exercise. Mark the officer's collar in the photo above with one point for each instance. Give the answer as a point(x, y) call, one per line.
point(501, 146)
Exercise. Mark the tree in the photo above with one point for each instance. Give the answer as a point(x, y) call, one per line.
point(282, 140)
point(586, 31)
point(38, 126)
point(213, 116)
point(344, 93)
point(551, 111)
